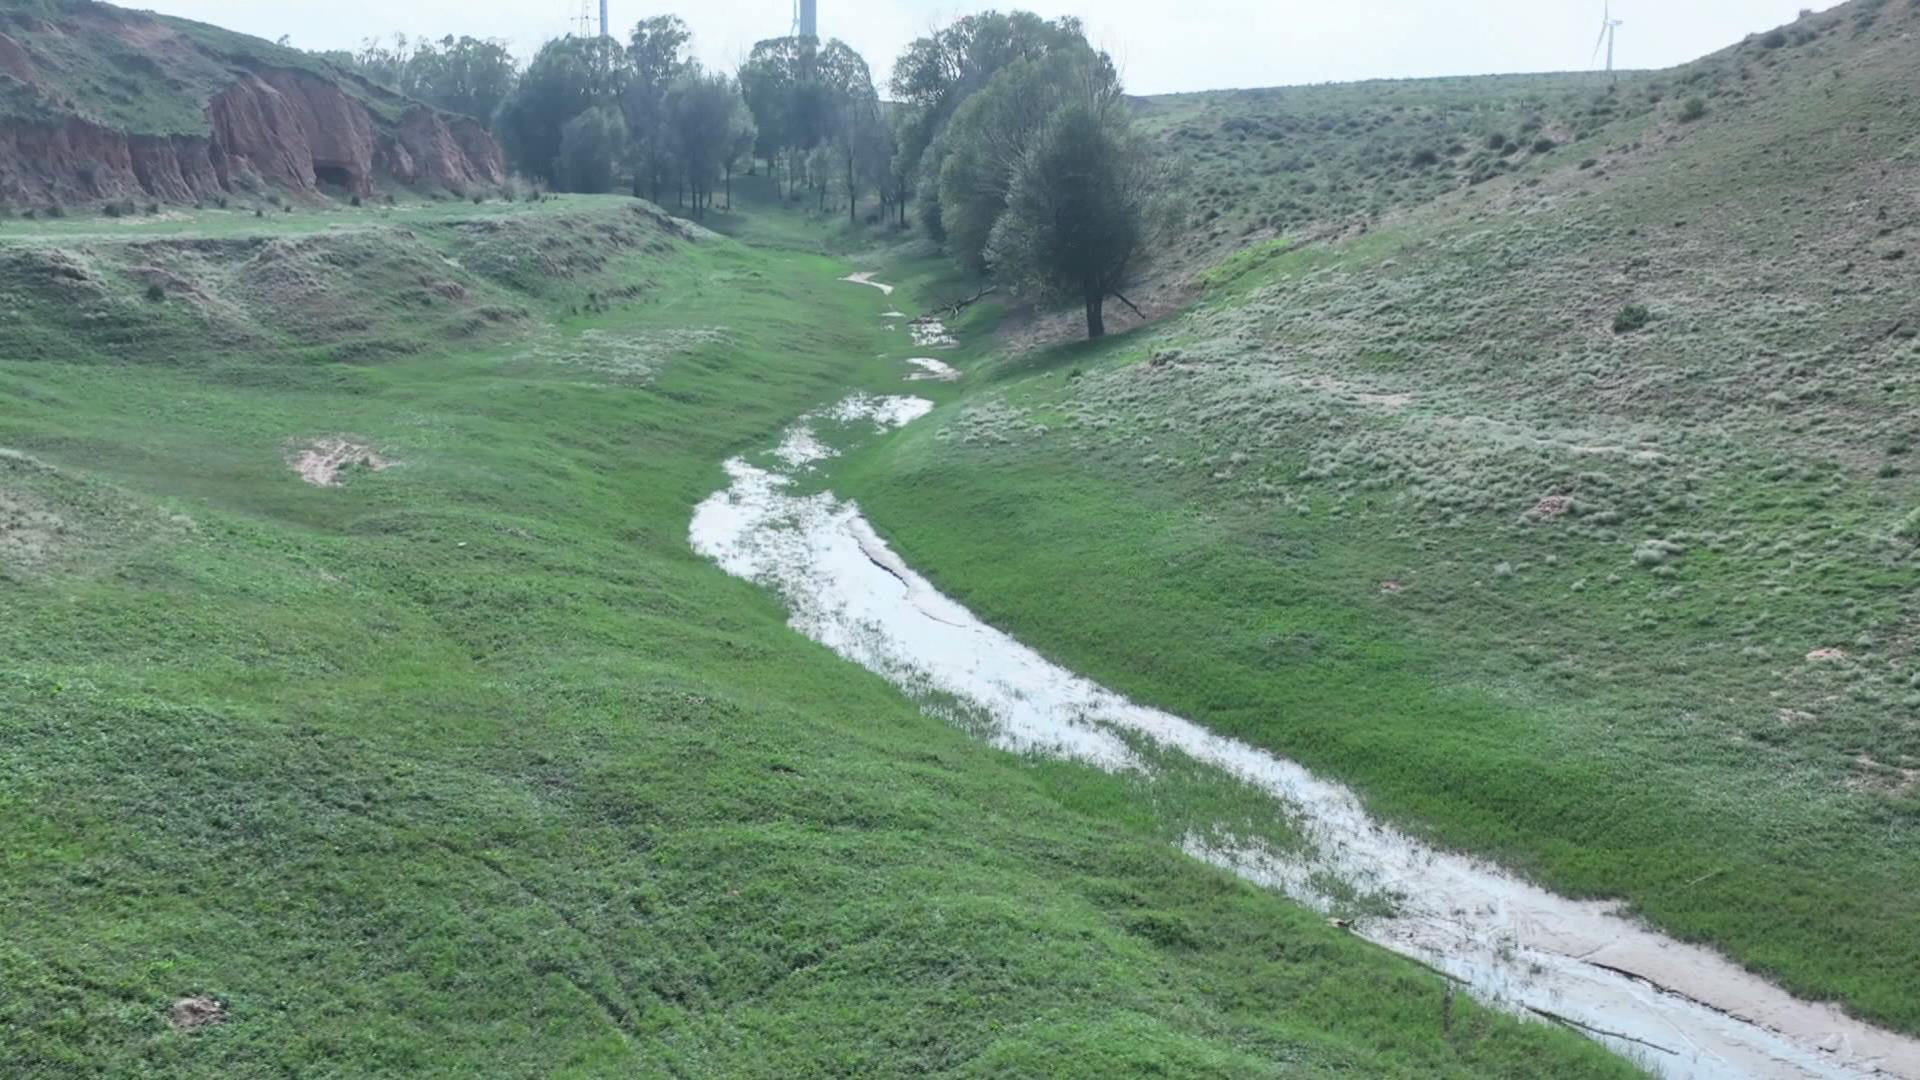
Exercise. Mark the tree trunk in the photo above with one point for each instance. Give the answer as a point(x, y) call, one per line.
point(1096, 316)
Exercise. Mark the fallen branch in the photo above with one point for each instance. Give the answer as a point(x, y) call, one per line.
point(1130, 304)
point(1568, 1021)
point(957, 308)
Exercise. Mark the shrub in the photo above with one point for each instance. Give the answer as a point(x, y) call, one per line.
point(355, 201)
point(1426, 158)
point(1694, 109)
point(1543, 144)
point(55, 210)
point(478, 198)
point(155, 293)
point(221, 202)
point(153, 208)
point(1497, 141)
point(259, 212)
point(112, 210)
point(1774, 39)
point(1631, 318)
point(1909, 528)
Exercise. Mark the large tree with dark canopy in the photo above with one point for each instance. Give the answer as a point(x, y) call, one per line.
point(938, 73)
point(655, 60)
point(991, 132)
point(567, 77)
point(1085, 202)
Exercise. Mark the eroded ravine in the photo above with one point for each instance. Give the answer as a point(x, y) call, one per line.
point(1680, 1010)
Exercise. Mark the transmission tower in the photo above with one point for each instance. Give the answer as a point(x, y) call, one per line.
point(585, 25)
point(806, 18)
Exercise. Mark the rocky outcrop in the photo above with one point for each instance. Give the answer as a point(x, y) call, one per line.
point(275, 128)
point(429, 147)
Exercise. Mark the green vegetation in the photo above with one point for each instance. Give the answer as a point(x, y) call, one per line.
point(1633, 613)
point(463, 75)
point(1631, 318)
point(815, 111)
point(468, 764)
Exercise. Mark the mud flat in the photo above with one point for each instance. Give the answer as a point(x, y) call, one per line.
point(1679, 1010)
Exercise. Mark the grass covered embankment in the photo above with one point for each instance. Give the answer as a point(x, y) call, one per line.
point(1569, 517)
point(469, 764)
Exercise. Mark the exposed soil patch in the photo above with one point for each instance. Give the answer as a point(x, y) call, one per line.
point(1827, 656)
point(1884, 779)
point(191, 1013)
point(1551, 507)
point(29, 532)
point(322, 462)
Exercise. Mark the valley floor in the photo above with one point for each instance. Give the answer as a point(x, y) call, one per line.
point(469, 763)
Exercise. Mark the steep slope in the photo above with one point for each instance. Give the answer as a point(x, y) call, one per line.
point(98, 102)
point(1570, 515)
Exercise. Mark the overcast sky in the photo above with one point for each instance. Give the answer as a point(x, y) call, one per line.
point(1162, 45)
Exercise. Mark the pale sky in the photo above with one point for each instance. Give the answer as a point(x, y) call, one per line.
point(1163, 46)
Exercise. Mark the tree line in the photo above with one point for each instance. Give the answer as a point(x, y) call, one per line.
point(1007, 136)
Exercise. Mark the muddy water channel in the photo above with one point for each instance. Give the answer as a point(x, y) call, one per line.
point(1676, 1009)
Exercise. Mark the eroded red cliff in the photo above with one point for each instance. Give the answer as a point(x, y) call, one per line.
point(274, 128)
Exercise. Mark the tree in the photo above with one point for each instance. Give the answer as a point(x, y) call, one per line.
point(742, 135)
point(1087, 198)
point(936, 74)
point(704, 112)
point(866, 150)
point(567, 77)
point(463, 75)
point(655, 60)
point(591, 146)
point(804, 95)
point(769, 80)
point(991, 132)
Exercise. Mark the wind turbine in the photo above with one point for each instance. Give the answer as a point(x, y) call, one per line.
point(1608, 24)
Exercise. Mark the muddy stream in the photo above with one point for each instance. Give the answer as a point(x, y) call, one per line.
point(1678, 1010)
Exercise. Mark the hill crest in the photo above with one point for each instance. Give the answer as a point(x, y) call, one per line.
point(101, 103)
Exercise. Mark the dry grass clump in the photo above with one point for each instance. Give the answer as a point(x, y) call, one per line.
point(630, 357)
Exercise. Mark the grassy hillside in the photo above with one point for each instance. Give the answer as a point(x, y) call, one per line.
point(1570, 516)
point(1333, 157)
point(140, 73)
point(470, 765)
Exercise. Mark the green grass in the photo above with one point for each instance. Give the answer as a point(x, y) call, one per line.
point(1403, 506)
point(471, 766)
point(1326, 158)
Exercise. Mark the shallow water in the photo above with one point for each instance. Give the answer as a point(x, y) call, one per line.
point(1679, 1010)
point(932, 370)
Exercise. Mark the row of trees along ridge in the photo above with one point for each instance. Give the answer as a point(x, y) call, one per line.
point(1007, 132)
